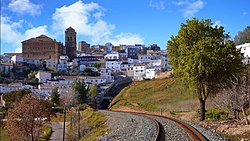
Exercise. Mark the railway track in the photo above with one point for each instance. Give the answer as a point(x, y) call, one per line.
point(161, 134)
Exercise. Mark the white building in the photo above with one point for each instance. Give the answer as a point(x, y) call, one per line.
point(6, 67)
point(16, 59)
point(125, 66)
point(107, 73)
point(144, 58)
point(112, 56)
point(34, 62)
point(113, 65)
point(51, 64)
point(95, 80)
point(63, 64)
point(139, 71)
point(43, 76)
point(109, 46)
point(133, 60)
point(6, 88)
point(150, 73)
point(245, 49)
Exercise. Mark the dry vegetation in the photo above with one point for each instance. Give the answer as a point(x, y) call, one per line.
point(176, 100)
point(169, 94)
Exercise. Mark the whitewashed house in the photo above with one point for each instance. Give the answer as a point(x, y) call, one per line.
point(4, 88)
point(157, 64)
point(63, 64)
point(107, 73)
point(34, 62)
point(133, 60)
point(112, 56)
point(6, 67)
point(95, 80)
point(42, 93)
point(114, 65)
point(150, 73)
point(139, 71)
point(15, 59)
point(43, 76)
point(51, 64)
point(245, 49)
point(125, 66)
point(144, 58)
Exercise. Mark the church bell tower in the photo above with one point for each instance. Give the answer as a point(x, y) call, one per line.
point(70, 43)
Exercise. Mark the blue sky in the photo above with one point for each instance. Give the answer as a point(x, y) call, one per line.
point(116, 21)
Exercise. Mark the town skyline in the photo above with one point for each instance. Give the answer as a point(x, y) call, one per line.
point(124, 22)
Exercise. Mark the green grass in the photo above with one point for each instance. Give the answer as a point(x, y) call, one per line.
point(3, 135)
point(241, 137)
point(47, 131)
point(93, 123)
point(151, 95)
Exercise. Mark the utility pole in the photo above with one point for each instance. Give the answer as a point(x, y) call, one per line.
point(79, 122)
point(64, 118)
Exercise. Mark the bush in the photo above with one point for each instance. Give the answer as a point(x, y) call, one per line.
point(216, 115)
point(47, 131)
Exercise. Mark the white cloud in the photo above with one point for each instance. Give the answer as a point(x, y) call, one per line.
point(87, 20)
point(191, 8)
point(84, 18)
point(218, 23)
point(36, 31)
point(159, 5)
point(24, 6)
point(10, 34)
point(127, 38)
point(11, 37)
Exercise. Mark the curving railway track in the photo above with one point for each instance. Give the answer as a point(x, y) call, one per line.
point(167, 128)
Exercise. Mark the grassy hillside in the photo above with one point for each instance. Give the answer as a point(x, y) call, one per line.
point(151, 95)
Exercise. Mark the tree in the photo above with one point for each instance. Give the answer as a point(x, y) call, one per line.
point(92, 91)
point(201, 55)
point(236, 98)
point(80, 91)
point(55, 96)
point(243, 36)
point(24, 119)
point(97, 65)
point(14, 96)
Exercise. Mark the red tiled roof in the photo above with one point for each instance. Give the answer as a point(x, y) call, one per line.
point(13, 54)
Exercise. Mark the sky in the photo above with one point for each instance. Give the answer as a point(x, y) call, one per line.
point(116, 21)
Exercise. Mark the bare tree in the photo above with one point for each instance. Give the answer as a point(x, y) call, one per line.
point(24, 119)
point(236, 98)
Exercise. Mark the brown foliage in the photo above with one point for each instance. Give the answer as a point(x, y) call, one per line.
point(24, 119)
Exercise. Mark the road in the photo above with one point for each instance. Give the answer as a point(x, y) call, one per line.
point(57, 131)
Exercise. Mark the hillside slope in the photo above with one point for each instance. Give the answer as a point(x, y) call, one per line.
point(170, 94)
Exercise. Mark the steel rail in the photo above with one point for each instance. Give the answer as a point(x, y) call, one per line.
point(194, 134)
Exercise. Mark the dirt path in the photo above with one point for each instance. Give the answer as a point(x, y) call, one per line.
point(57, 131)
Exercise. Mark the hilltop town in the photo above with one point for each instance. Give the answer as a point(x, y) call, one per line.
point(45, 64)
